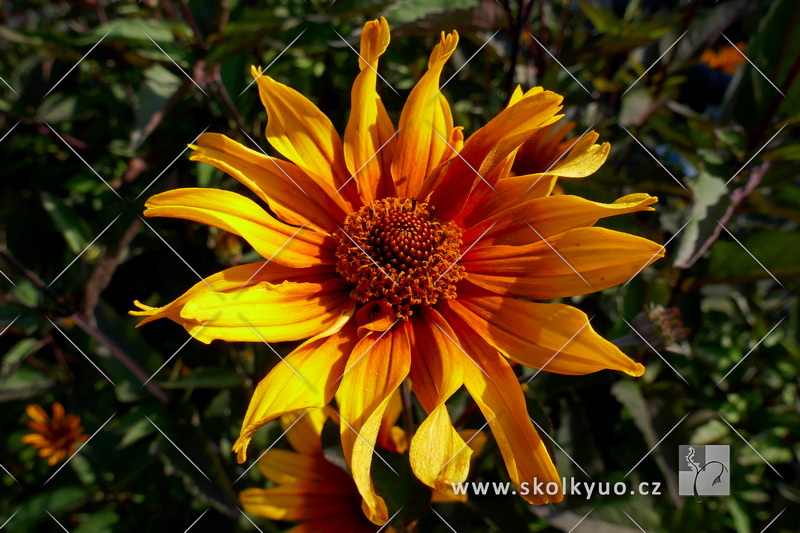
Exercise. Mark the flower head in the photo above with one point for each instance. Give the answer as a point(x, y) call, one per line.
point(55, 437)
point(407, 252)
point(726, 59)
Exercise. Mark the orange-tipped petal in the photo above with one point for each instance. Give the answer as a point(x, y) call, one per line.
point(377, 366)
point(578, 261)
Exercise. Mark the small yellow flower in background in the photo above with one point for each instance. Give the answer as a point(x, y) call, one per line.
point(727, 59)
point(408, 252)
point(56, 437)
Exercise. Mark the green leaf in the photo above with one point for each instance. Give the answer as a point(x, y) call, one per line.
point(708, 193)
point(57, 502)
point(778, 251)
point(17, 353)
point(159, 86)
point(74, 229)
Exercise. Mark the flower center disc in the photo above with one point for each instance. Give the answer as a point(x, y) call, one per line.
point(393, 249)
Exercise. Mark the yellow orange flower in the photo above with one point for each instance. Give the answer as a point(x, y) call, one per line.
point(56, 437)
point(406, 252)
point(726, 59)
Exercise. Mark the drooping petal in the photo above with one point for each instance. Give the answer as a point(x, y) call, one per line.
point(307, 377)
point(303, 429)
point(304, 135)
point(229, 211)
point(552, 336)
point(439, 456)
point(493, 385)
point(488, 147)
point(289, 192)
point(368, 142)
point(530, 222)
point(422, 133)
point(577, 261)
point(283, 467)
point(376, 367)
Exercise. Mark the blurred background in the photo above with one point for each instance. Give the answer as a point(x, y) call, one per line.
point(99, 100)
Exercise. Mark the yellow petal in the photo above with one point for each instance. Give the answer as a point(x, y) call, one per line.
point(290, 193)
point(533, 333)
point(304, 135)
point(544, 270)
point(549, 216)
point(490, 146)
point(283, 244)
point(422, 128)
point(368, 142)
point(439, 456)
point(308, 377)
point(37, 414)
point(376, 367)
point(283, 466)
point(493, 385)
point(303, 429)
point(307, 501)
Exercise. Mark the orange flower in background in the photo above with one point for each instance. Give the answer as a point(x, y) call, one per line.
point(727, 59)
point(407, 252)
point(56, 437)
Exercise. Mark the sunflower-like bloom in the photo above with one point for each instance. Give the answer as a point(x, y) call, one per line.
point(726, 59)
point(407, 252)
point(56, 437)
